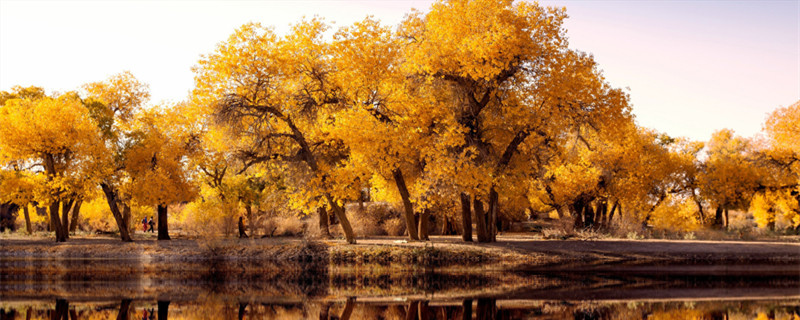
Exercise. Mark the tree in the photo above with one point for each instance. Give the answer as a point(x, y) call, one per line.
point(113, 103)
point(276, 96)
point(156, 163)
point(515, 88)
point(728, 178)
point(778, 159)
point(58, 135)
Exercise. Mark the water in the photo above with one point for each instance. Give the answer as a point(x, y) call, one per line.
point(132, 289)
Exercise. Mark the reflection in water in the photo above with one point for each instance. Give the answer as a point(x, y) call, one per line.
point(351, 308)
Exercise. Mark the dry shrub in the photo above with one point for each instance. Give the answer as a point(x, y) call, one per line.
point(395, 226)
point(375, 219)
point(283, 226)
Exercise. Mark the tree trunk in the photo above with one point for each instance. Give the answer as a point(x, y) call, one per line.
point(348, 308)
point(480, 220)
point(163, 310)
point(407, 206)
point(28, 226)
point(577, 212)
point(727, 224)
point(718, 217)
point(55, 221)
point(113, 199)
point(65, 208)
point(250, 221)
point(324, 312)
point(124, 306)
point(424, 313)
point(466, 218)
point(491, 219)
point(62, 310)
point(423, 225)
point(466, 305)
point(339, 212)
point(611, 213)
point(588, 216)
point(163, 226)
point(411, 313)
point(76, 211)
point(323, 223)
point(242, 310)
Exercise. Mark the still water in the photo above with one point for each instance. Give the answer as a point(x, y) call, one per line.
point(97, 289)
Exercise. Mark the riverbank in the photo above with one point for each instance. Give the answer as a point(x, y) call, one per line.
point(511, 252)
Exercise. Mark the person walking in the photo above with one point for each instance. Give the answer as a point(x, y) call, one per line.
point(144, 224)
point(152, 223)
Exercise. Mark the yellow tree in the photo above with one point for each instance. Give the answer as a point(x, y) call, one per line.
point(112, 103)
point(779, 161)
point(60, 137)
point(515, 88)
point(388, 120)
point(276, 95)
point(156, 162)
point(728, 178)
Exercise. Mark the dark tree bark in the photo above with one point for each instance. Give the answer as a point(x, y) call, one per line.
point(343, 221)
point(28, 226)
point(611, 213)
point(242, 233)
point(466, 218)
point(424, 312)
point(66, 206)
point(242, 309)
point(324, 313)
point(112, 197)
point(407, 206)
point(491, 218)
point(124, 307)
point(61, 311)
point(467, 309)
point(423, 225)
point(76, 211)
point(348, 308)
point(577, 211)
point(323, 223)
point(250, 221)
point(55, 222)
point(413, 307)
point(486, 309)
point(480, 220)
point(163, 226)
point(163, 310)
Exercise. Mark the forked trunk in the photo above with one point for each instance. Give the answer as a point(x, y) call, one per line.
point(466, 218)
point(408, 208)
point(163, 226)
point(339, 212)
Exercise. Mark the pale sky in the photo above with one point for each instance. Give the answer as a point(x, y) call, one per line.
point(692, 67)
